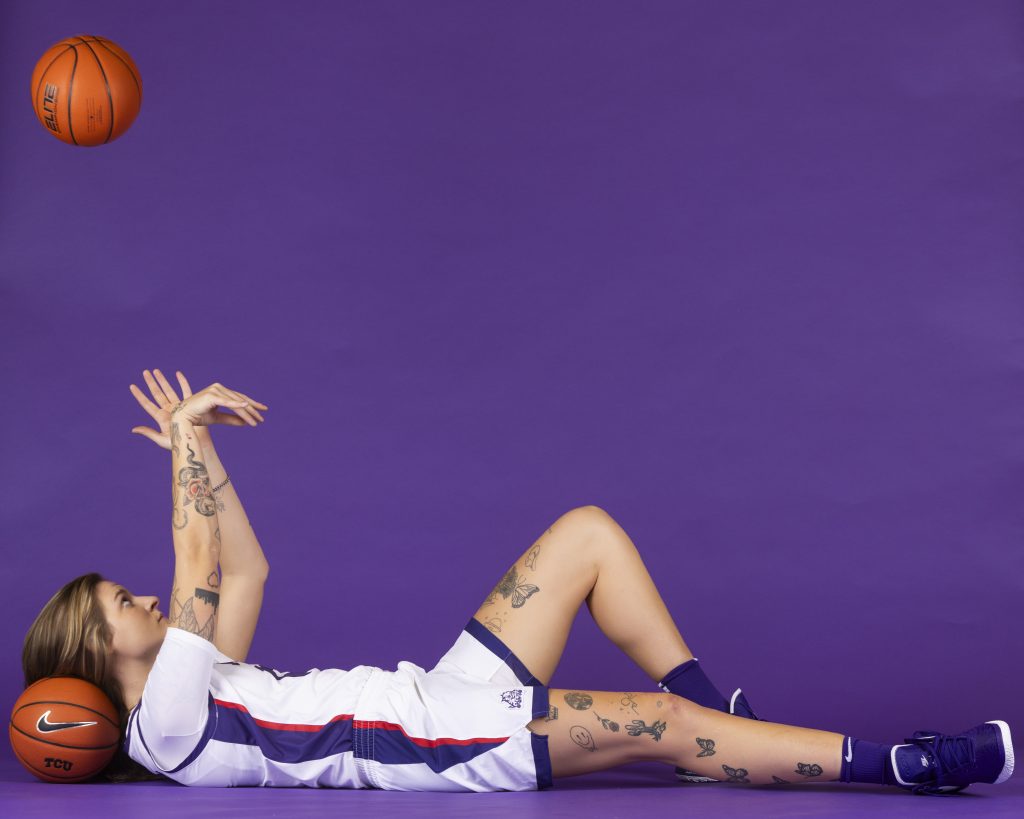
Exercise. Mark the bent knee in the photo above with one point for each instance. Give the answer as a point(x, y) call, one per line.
point(590, 516)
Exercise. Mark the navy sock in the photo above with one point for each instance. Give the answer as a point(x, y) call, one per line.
point(866, 762)
point(689, 680)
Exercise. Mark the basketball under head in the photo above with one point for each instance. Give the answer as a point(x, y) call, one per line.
point(64, 729)
point(86, 90)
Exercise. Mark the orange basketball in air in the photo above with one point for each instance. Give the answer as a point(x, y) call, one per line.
point(64, 729)
point(86, 90)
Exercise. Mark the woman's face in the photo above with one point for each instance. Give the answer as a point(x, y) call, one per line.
point(137, 624)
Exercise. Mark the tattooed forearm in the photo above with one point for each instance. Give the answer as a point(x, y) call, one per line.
point(179, 517)
point(213, 598)
point(195, 482)
point(582, 737)
point(579, 700)
point(184, 615)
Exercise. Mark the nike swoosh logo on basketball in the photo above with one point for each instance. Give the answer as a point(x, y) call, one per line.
point(45, 726)
point(849, 749)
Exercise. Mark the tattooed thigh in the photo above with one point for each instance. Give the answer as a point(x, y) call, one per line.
point(533, 605)
point(593, 730)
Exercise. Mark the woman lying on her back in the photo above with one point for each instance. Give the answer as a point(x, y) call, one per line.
point(483, 719)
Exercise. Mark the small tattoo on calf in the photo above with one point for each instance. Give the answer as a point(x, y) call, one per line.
point(808, 769)
point(609, 725)
point(655, 729)
point(781, 781)
point(531, 558)
point(578, 700)
point(582, 737)
point(708, 745)
point(552, 713)
point(735, 774)
point(629, 699)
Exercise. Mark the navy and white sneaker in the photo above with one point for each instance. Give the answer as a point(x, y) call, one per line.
point(738, 706)
point(934, 764)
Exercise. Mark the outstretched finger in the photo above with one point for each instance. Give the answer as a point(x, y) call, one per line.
point(186, 390)
point(240, 396)
point(147, 405)
point(248, 411)
point(226, 398)
point(165, 385)
point(229, 420)
point(146, 432)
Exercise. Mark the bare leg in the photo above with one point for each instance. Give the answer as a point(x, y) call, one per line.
point(595, 730)
point(584, 555)
point(627, 606)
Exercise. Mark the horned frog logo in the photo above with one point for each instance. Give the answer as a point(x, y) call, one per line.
point(513, 698)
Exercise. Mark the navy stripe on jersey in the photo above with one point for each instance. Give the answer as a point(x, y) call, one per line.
point(283, 742)
point(542, 760)
point(391, 745)
point(495, 644)
point(388, 743)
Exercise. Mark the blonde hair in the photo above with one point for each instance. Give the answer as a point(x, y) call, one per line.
point(71, 638)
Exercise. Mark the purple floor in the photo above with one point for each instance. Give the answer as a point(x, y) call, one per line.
point(638, 790)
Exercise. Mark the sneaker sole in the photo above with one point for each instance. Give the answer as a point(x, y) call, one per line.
point(695, 777)
point(1004, 729)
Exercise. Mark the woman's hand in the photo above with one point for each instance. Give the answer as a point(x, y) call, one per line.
point(198, 408)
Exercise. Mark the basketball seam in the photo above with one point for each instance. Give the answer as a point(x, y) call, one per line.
point(106, 82)
point(103, 43)
point(71, 84)
point(42, 76)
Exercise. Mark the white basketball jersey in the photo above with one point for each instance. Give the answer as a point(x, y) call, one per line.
point(204, 719)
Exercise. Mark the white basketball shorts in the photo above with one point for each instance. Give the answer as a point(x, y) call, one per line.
point(459, 727)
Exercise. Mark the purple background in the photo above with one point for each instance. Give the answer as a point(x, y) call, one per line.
point(747, 275)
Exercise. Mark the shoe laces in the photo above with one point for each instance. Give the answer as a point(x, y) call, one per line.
point(941, 747)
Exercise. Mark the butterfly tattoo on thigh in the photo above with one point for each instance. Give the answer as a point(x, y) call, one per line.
point(511, 586)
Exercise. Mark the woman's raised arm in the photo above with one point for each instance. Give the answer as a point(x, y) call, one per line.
point(243, 567)
point(195, 594)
